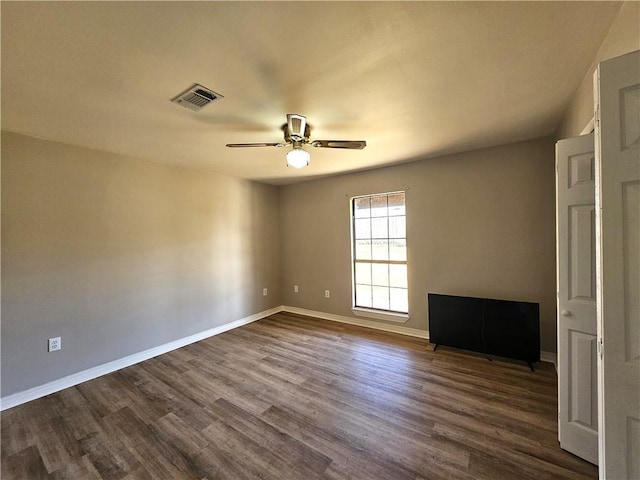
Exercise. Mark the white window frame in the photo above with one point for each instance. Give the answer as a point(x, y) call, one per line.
point(370, 312)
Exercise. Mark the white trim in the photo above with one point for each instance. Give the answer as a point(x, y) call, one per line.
point(549, 357)
point(91, 373)
point(355, 321)
point(589, 128)
point(378, 315)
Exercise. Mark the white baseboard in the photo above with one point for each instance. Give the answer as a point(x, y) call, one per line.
point(544, 356)
point(91, 373)
point(549, 357)
point(359, 322)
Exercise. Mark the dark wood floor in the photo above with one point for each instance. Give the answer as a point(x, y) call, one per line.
point(291, 397)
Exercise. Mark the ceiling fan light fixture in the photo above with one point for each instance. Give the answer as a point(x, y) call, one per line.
point(298, 158)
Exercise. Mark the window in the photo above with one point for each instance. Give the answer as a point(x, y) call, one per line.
point(380, 253)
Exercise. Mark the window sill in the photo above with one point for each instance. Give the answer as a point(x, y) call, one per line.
point(378, 315)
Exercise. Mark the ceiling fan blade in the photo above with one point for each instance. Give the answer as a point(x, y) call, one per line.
point(236, 145)
point(351, 144)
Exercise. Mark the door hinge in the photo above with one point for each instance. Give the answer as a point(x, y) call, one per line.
point(600, 348)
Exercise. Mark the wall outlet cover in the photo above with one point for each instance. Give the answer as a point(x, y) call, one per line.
point(55, 343)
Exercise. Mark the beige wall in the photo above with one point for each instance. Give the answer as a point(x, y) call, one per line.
point(118, 255)
point(623, 37)
point(480, 223)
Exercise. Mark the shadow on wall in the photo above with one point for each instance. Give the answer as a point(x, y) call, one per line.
point(118, 255)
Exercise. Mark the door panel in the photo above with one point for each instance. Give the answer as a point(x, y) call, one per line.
point(631, 249)
point(583, 409)
point(576, 270)
point(582, 268)
point(617, 129)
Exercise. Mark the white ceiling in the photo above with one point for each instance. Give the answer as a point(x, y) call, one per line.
point(413, 79)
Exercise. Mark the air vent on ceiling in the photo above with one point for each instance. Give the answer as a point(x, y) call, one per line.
point(196, 97)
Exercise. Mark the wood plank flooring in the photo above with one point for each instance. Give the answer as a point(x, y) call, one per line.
point(292, 397)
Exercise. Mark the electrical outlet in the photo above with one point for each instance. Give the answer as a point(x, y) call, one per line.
point(295, 289)
point(264, 292)
point(327, 294)
point(55, 344)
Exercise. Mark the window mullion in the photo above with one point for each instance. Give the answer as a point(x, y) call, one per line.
point(383, 262)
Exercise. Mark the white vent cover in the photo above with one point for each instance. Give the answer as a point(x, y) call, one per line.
point(196, 97)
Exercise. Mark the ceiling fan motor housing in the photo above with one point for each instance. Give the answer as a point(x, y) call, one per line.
point(296, 129)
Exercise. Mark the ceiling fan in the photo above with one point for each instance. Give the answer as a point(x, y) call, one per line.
point(296, 134)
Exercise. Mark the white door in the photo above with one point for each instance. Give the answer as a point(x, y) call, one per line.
point(576, 276)
point(617, 130)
